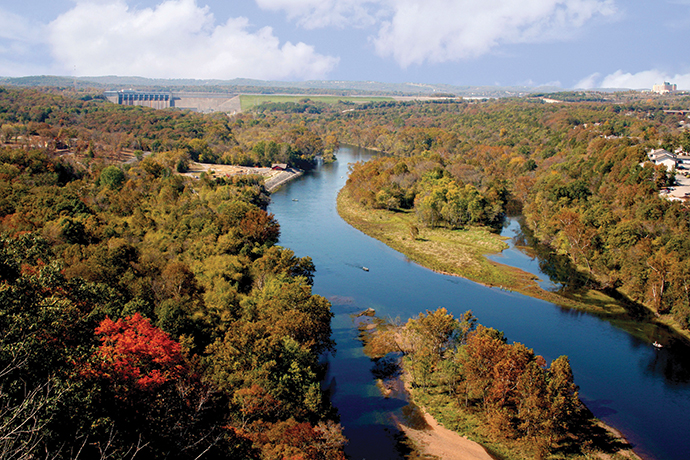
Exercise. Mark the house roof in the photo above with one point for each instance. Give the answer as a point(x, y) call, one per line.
point(654, 154)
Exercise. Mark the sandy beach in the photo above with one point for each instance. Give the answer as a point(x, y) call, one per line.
point(443, 443)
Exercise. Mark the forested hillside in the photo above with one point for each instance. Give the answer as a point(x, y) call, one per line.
point(145, 314)
point(574, 170)
point(91, 126)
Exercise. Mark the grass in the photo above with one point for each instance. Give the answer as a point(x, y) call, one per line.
point(602, 441)
point(468, 424)
point(248, 101)
point(589, 438)
point(462, 253)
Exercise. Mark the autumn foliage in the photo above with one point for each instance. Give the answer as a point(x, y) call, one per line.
point(87, 249)
point(471, 370)
point(153, 311)
point(136, 355)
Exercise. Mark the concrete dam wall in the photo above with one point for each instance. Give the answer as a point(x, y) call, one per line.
point(198, 102)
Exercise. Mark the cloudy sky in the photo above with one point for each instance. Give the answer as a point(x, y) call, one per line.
point(568, 43)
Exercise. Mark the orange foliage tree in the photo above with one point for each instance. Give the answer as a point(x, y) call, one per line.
point(136, 355)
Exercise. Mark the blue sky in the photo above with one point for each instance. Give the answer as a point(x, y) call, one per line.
point(567, 43)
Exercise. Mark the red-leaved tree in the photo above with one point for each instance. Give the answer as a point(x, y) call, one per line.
point(135, 354)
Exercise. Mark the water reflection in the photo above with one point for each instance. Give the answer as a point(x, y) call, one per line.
point(555, 271)
point(641, 391)
point(600, 406)
point(672, 362)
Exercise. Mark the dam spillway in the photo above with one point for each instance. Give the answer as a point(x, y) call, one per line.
point(197, 102)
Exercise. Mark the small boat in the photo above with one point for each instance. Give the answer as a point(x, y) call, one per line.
point(657, 345)
point(295, 199)
point(365, 269)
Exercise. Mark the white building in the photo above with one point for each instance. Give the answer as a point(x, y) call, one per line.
point(665, 88)
point(663, 157)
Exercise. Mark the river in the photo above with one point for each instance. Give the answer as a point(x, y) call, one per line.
point(642, 391)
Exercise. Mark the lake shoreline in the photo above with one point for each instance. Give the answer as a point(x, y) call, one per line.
point(438, 441)
point(275, 182)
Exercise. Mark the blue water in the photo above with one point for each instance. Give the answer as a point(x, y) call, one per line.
point(641, 391)
point(516, 258)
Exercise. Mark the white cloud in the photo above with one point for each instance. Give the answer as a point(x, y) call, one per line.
point(447, 30)
point(418, 31)
point(21, 45)
point(640, 80)
point(313, 14)
point(16, 28)
point(588, 82)
point(176, 39)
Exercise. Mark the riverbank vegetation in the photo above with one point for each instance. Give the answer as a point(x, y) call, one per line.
point(463, 253)
point(500, 395)
point(576, 172)
point(443, 250)
point(143, 313)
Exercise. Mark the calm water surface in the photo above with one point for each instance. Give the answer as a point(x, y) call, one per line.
point(641, 391)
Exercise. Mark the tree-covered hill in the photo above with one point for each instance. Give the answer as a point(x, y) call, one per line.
point(252, 86)
point(143, 313)
point(92, 127)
